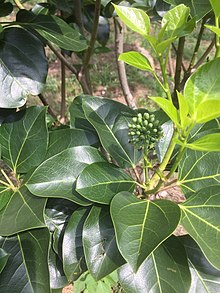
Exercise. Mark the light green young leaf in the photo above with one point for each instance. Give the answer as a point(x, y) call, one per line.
point(214, 29)
point(207, 111)
point(201, 218)
point(136, 19)
point(141, 225)
point(209, 143)
point(53, 29)
point(162, 46)
point(183, 110)
point(175, 20)
point(137, 60)
point(216, 7)
point(168, 107)
point(203, 86)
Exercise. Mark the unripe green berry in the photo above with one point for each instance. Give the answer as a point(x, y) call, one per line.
point(150, 125)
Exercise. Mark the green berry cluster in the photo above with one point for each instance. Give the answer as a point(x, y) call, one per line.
point(145, 130)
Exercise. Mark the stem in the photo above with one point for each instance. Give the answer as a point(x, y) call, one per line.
point(78, 15)
point(93, 35)
point(159, 82)
point(18, 4)
point(177, 161)
point(165, 79)
point(217, 41)
point(63, 94)
point(45, 103)
point(146, 177)
point(4, 183)
point(7, 178)
point(177, 77)
point(164, 163)
point(119, 42)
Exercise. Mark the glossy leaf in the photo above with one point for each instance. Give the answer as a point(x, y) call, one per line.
point(141, 225)
point(200, 217)
point(203, 86)
point(27, 267)
point(53, 29)
point(3, 259)
point(56, 215)
point(73, 254)
point(55, 177)
point(77, 116)
point(205, 278)
point(20, 74)
point(165, 270)
point(5, 194)
point(183, 110)
point(210, 142)
point(136, 59)
point(198, 170)
point(163, 144)
point(22, 206)
point(24, 142)
point(5, 9)
point(213, 111)
point(100, 248)
point(136, 19)
point(111, 119)
point(58, 279)
point(176, 20)
point(60, 140)
point(168, 107)
point(100, 182)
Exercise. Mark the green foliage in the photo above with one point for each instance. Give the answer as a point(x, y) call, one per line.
point(79, 203)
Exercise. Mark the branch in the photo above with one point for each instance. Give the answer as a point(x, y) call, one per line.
point(177, 77)
point(45, 103)
point(121, 66)
point(205, 55)
point(78, 15)
point(63, 94)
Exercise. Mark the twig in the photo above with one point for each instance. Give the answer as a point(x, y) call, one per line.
point(182, 64)
point(177, 77)
point(63, 93)
point(45, 103)
point(121, 66)
point(170, 65)
point(204, 56)
point(78, 15)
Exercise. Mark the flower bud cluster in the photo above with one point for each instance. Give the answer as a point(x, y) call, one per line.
point(145, 130)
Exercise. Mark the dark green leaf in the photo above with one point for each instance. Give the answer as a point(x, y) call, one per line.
point(201, 217)
point(57, 277)
point(22, 206)
point(53, 29)
point(99, 182)
point(142, 225)
point(165, 270)
point(101, 252)
point(5, 9)
point(111, 119)
point(205, 278)
point(56, 216)
point(59, 140)
point(55, 177)
point(77, 116)
point(23, 67)
point(198, 170)
point(24, 142)
point(73, 254)
point(5, 194)
point(27, 266)
point(198, 8)
point(3, 258)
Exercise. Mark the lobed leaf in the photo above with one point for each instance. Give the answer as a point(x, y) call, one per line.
point(141, 225)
